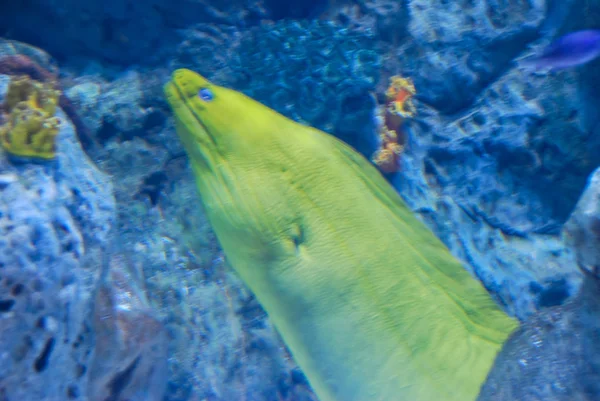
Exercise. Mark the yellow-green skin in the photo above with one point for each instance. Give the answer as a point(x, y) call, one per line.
point(371, 304)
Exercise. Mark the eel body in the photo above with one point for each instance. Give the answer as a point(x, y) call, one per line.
point(370, 303)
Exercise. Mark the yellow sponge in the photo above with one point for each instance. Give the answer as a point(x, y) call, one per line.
point(30, 127)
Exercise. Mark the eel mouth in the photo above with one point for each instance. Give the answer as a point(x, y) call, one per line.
point(172, 92)
point(177, 98)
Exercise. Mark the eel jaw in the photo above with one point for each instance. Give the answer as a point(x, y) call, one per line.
point(174, 96)
point(193, 134)
point(181, 105)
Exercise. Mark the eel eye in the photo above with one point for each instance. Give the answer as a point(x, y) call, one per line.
point(205, 94)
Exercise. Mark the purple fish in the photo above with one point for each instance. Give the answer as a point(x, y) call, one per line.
point(571, 50)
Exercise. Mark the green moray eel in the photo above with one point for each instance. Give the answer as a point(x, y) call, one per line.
point(370, 303)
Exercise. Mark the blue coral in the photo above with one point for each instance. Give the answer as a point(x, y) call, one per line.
point(314, 72)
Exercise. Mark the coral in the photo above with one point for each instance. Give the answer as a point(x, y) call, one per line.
point(388, 157)
point(315, 72)
point(31, 127)
point(397, 108)
point(18, 58)
point(33, 93)
point(399, 96)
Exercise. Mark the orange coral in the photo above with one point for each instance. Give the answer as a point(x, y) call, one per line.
point(399, 96)
point(398, 107)
point(387, 158)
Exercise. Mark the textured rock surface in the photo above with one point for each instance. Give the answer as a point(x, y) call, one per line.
point(458, 48)
point(117, 104)
point(582, 230)
point(496, 158)
point(387, 19)
point(130, 350)
point(496, 183)
point(555, 355)
point(59, 340)
point(54, 219)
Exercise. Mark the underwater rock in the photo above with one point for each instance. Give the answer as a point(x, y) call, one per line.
point(497, 158)
point(461, 47)
point(130, 353)
point(387, 19)
point(54, 221)
point(120, 106)
point(522, 130)
point(18, 58)
point(555, 355)
point(582, 230)
point(85, 94)
point(208, 47)
point(497, 181)
point(117, 108)
point(223, 345)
